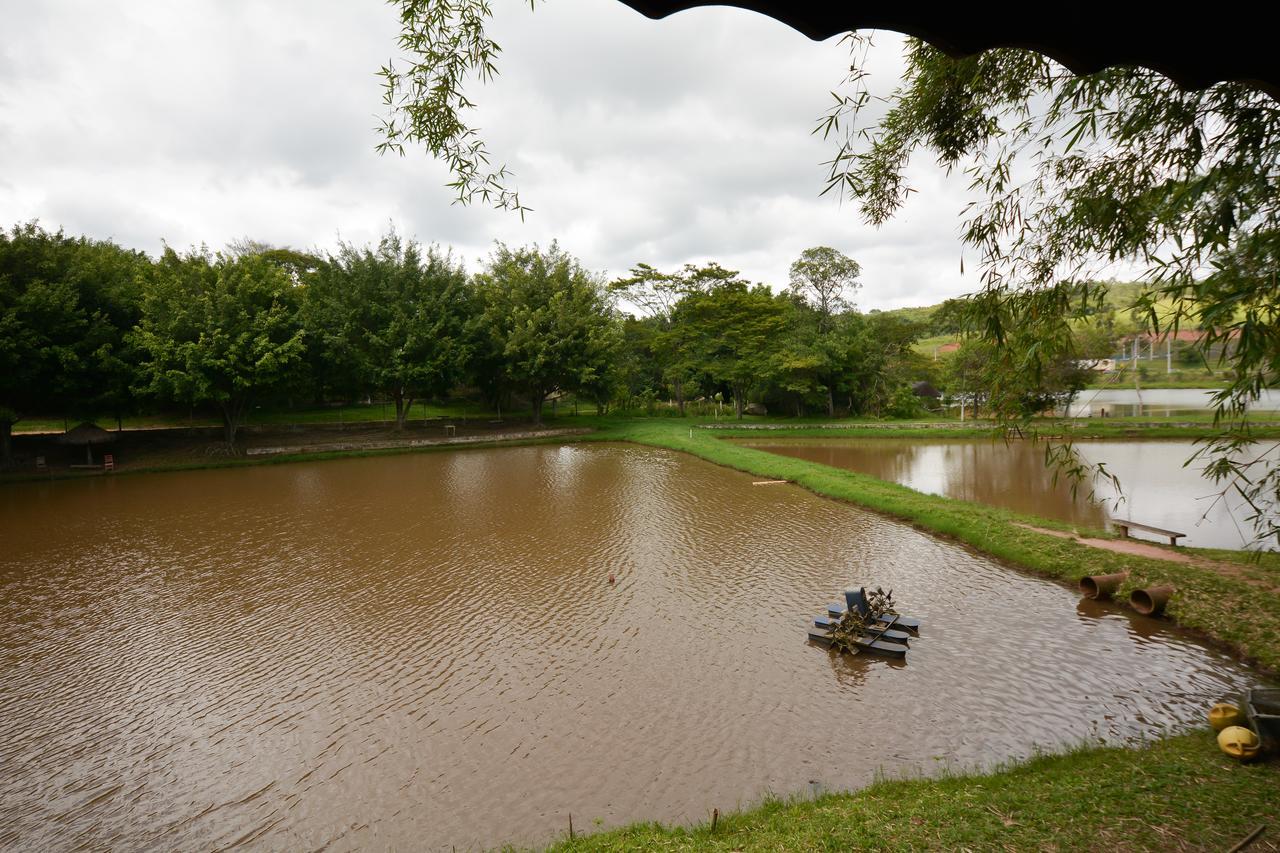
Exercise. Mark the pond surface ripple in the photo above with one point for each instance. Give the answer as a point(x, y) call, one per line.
point(425, 651)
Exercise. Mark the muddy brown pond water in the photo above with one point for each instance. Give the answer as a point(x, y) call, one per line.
point(1155, 486)
point(425, 651)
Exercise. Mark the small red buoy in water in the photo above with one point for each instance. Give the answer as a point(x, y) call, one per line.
point(611, 577)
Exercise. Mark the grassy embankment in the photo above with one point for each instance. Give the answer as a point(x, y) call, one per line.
point(309, 416)
point(1241, 609)
point(1190, 427)
point(1178, 794)
point(1156, 380)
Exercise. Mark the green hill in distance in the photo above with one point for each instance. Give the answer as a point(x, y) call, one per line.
point(1184, 369)
point(1121, 296)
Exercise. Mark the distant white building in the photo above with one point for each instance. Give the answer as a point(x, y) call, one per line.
point(1101, 365)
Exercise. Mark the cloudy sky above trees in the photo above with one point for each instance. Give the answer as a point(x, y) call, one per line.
point(665, 142)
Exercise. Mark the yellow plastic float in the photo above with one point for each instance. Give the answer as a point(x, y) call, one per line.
point(1238, 742)
point(1224, 714)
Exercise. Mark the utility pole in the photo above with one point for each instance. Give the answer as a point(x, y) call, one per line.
point(1137, 391)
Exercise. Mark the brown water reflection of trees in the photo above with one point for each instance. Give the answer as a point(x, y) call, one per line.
point(1010, 475)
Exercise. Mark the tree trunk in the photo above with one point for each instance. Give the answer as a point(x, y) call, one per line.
point(678, 385)
point(403, 403)
point(232, 415)
point(831, 403)
point(738, 402)
point(6, 443)
point(538, 398)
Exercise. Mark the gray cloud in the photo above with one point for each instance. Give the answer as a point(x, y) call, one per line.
point(674, 141)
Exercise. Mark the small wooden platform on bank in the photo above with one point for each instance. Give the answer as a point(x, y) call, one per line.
point(1123, 525)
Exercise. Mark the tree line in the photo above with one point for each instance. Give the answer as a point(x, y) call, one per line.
point(89, 328)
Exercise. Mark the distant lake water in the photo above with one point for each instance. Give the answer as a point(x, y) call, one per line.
point(1155, 486)
point(1158, 402)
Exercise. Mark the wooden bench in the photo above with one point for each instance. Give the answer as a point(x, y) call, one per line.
point(1123, 526)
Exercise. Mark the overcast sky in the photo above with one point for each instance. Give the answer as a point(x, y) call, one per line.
point(665, 142)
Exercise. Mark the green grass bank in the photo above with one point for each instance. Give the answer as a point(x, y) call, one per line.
point(1180, 793)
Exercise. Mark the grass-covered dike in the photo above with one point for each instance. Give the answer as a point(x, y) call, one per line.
point(1240, 610)
point(1176, 794)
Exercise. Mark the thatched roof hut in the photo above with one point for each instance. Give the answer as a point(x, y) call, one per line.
point(87, 434)
point(925, 389)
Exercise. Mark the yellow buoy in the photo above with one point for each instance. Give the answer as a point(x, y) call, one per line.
point(1238, 742)
point(1224, 714)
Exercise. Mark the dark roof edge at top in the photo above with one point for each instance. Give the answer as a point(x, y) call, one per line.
point(1195, 55)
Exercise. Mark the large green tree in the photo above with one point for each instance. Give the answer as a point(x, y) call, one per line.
point(876, 360)
point(656, 294)
point(549, 324)
point(824, 281)
point(66, 306)
point(804, 363)
point(736, 332)
point(219, 330)
point(391, 319)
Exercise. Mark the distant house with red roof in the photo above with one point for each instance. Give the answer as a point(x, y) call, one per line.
point(1132, 346)
point(945, 349)
point(1185, 336)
